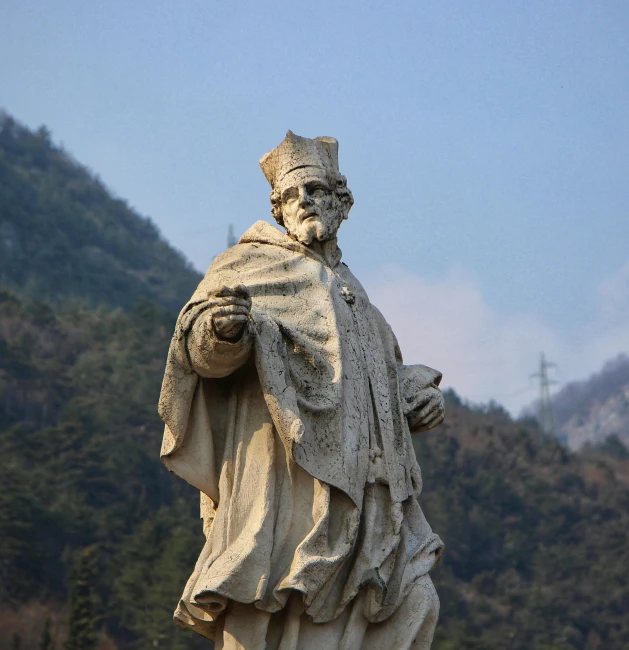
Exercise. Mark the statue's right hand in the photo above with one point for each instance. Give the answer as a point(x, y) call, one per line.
point(230, 308)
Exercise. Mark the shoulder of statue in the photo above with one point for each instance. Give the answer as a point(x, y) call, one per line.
point(250, 253)
point(249, 246)
point(262, 240)
point(264, 233)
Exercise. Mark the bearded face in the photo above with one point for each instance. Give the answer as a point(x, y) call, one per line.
point(310, 208)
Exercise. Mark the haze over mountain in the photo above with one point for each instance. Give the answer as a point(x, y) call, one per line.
point(96, 534)
point(596, 408)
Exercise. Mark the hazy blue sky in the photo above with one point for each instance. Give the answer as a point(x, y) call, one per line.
point(486, 144)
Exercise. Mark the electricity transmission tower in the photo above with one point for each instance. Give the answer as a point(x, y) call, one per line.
point(231, 238)
point(546, 419)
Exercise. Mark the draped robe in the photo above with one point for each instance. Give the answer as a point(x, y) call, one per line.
point(296, 436)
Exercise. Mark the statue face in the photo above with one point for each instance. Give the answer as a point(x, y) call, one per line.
point(310, 209)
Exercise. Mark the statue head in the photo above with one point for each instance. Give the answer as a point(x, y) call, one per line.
point(309, 195)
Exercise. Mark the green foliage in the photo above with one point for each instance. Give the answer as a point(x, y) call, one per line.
point(152, 560)
point(46, 642)
point(64, 237)
point(79, 445)
point(536, 537)
point(613, 446)
point(81, 624)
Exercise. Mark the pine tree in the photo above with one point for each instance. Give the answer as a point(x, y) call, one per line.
point(46, 641)
point(81, 632)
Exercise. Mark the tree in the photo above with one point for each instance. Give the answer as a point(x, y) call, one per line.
point(81, 628)
point(46, 641)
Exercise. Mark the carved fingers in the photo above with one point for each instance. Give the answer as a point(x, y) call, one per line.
point(429, 412)
point(230, 308)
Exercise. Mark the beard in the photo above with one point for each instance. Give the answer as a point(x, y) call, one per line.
point(317, 227)
point(309, 230)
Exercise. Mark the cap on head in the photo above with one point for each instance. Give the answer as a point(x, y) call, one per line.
point(295, 152)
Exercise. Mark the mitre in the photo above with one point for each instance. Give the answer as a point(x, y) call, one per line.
point(295, 152)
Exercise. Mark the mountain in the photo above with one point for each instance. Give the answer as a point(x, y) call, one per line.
point(97, 539)
point(592, 410)
point(63, 236)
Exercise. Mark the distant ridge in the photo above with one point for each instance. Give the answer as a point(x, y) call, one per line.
point(64, 237)
point(590, 411)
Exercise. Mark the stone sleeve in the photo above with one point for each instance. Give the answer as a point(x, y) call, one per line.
point(211, 356)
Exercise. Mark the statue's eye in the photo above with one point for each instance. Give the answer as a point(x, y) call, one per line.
point(289, 196)
point(318, 192)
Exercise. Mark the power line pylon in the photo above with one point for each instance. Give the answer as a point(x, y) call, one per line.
point(231, 238)
point(546, 419)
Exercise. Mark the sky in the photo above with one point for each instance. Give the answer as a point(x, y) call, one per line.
point(486, 144)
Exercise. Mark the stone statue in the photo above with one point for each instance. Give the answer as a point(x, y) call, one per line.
point(288, 406)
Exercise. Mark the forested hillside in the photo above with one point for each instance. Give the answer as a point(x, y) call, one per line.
point(537, 537)
point(79, 473)
point(97, 539)
point(64, 237)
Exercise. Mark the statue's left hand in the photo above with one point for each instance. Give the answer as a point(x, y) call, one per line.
point(429, 412)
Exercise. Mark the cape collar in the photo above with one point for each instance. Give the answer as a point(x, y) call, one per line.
point(263, 232)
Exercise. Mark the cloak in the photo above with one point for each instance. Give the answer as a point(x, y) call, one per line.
point(297, 437)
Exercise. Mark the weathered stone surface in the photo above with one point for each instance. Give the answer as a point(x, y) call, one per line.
point(288, 406)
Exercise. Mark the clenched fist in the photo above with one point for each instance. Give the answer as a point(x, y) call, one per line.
point(429, 412)
point(230, 309)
